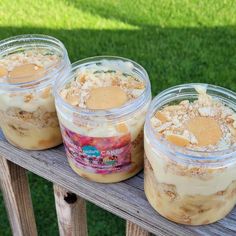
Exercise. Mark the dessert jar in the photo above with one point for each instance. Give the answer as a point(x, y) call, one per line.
point(29, 66)
point(188, 185)
point(103, 142)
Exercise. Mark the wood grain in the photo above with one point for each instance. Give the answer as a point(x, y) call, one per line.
point(16, 193)
point(135, 230)
point(125, 199)
point(71, 212)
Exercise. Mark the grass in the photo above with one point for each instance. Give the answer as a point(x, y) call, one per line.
point(177, 42)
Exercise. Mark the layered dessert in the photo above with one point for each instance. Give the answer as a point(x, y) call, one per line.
point(103, 128)
point(190, 165)
point(27, 111)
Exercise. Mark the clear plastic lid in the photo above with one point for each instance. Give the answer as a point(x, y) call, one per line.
point(23, 43)
point(106, 63)
point(175, 95)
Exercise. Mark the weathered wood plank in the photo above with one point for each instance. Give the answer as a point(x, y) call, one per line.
point(71, 212)
point(125, 199)
point(135, 230)
point(16, 193)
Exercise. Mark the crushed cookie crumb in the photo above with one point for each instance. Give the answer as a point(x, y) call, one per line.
point(160, 116)
point(23, 64)
point(204, 124)
point(28, 98)
point(115, 87)
point(171, 195)
point(207, 111)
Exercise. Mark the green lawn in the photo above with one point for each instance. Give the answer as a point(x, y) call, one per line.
point(176, 41)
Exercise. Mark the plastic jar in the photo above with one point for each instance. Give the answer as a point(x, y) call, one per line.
point(187, 186)
point(96, 150)
point(29, 66)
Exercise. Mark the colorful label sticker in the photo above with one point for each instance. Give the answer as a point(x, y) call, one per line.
point(98, 155)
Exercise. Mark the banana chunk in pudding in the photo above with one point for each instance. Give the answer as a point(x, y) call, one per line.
point(190, 150)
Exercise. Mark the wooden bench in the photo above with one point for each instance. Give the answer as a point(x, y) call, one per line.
point(125, 199)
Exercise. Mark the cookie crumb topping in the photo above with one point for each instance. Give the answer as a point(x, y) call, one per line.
point(101, 89)
point(205, 124)
point(27, 65)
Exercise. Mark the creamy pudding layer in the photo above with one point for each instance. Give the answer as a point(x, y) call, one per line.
point(133, 125)
point(191, 209)
point(28, 117)
point(28, 101)
point(204, 180)
point(191, 192)
point(122, 140)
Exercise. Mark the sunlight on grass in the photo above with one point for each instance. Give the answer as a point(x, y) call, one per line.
point(54, 14)
point(171, 13)
point(113, 14)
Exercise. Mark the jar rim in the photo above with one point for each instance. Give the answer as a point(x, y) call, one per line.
point(183, 153)
point(113, 113)
point(32, 40)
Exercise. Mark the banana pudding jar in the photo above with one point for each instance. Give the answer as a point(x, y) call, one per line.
point(29, 66)
point(101, 106)
point(190, 153)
